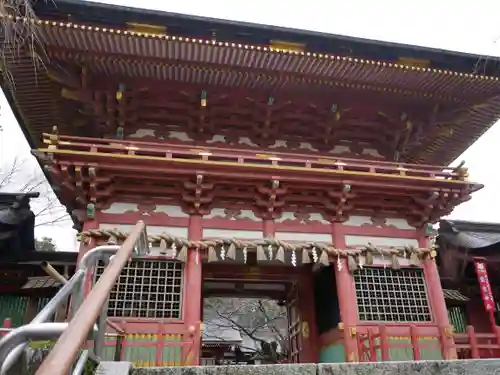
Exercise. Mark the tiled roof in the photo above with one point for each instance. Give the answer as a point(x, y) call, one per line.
point(107, 51)
point(454, 295)
point(41, 282)
point(470, 235)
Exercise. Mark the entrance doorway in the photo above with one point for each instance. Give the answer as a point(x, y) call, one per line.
point(250, 322)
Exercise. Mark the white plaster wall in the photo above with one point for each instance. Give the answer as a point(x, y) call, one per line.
point(176, 135)
point(310, 218)
point(228, 233)
point(151, 229)
point(241, 215)
point(385, 261)
point(351, 240)
point(358, 221)
point(304, 237)
point(123, 207)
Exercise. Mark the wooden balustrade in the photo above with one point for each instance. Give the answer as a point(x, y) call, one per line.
point(243, 157)
point(166, 348)
point(374, 343)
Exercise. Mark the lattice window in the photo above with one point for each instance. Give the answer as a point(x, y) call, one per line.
point(147, 289)
point(388, 295)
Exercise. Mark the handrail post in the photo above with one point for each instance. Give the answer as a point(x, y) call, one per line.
point(474, 350)
point(371, 347)
point(415, 344)
point(384, 343)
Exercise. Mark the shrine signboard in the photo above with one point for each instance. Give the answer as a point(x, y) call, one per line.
point(484, 285)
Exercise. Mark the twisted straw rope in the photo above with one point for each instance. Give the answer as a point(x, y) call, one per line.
point(240, 244)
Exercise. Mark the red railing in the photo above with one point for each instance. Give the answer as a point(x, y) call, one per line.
point(6, 327)
point(170, 345)
point(143, 349)
point(241, 157)
point(375, 344)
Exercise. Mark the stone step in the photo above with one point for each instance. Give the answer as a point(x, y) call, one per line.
point(469, 367)
point(113, 368)
point(30, 362)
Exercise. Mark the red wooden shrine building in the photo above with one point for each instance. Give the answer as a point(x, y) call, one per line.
point(266, 162)
point(461, 244)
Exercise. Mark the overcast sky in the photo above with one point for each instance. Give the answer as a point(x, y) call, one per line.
point(446, 24)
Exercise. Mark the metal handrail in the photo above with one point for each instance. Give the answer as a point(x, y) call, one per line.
point(64, 353)
point(52, 272)
point(15, 342)
point(8, 355)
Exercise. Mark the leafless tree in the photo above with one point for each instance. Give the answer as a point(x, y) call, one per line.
point(262, 324)
point(18, 37)
point(26, 176)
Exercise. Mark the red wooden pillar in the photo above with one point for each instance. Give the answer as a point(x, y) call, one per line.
point(437, 302)
point(346, 294)
point(84, 249)
point(268, 227)
point(194, 285)
point(309, 353)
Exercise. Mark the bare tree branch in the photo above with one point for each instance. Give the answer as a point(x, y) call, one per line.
point(19, 37)
point(24, 176)
point(262, 321)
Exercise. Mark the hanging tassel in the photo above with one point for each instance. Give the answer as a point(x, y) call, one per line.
point(231, 252)
point(359, 260)
point(340, 266)
point(212, 255)
point(323, 259)
point(203, 98)
point(414, 259)
point(352, 265)
point(395, 262)
point(182, 255)
point(270, 252)
point(306, 258)
point(163, 247)
point(294, 258)
point(280, 255)
point(315, 255)
point(369, 256)
point(245, 255)
point(112, 240)
point(261, 255)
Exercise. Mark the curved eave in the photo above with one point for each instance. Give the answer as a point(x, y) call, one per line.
point(470, 226)
point(472, 240)
point(195, 61)
point(470, 235)
point(107, 15)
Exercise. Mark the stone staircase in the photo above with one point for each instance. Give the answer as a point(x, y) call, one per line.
point(33, 358)
point(469, 367)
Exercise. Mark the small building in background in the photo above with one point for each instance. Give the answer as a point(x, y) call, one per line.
point(460, 244)
point(24, 286)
